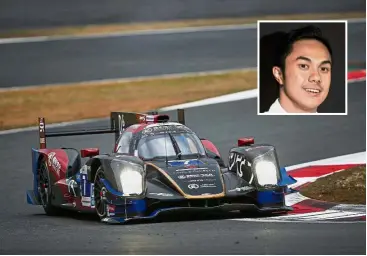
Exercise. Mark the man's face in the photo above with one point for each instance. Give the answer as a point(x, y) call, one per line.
point(307, 75)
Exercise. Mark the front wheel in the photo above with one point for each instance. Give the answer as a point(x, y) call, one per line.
point(99, 194)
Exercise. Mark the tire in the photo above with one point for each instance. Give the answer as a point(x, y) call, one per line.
point(100, 206)
point(44, 190)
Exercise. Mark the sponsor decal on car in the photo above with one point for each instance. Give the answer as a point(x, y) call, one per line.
point(241, 189)
point(84, 169)
point(195, 170)
point(185, 163)
point(149, 119)
point(200, 175)
point(72, 184)
point(141, 119)
point(199, 180)
point(110, 210)
point(41, 126)
point(161, 194)
point(211, 185)
point(77, 177)
point(92, 202)
point(86, 201)
point(153, 129)
point(103, 193)
point(85, 186)
point(53, 162)
point(193, 186)
point(121, 122)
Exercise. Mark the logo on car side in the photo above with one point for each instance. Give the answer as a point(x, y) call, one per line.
point(193, 186)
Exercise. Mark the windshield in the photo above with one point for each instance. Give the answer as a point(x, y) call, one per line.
point(175, 145)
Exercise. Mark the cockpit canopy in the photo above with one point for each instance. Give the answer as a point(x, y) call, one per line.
point(161, 142)
point(180, 145)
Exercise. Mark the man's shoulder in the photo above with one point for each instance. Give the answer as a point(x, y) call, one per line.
point(276, 107)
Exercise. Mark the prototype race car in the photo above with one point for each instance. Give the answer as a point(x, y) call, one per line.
point(156, 166)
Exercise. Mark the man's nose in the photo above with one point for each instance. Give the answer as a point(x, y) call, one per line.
point(315, 77)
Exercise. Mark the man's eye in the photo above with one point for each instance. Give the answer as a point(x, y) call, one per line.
point(325, 69)
point(303, 66)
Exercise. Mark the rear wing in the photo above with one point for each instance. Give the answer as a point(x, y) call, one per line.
point(119, 121)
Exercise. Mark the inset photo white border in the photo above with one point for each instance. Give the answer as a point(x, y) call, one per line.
point(310, 22)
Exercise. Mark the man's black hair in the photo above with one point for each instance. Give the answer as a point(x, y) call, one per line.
point(307, 32)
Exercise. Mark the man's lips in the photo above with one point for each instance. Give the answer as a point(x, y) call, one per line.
point(312, 90)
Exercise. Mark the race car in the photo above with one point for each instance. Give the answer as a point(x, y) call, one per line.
point(156, 166)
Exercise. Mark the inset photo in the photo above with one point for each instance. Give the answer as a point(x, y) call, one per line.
point(302, 67)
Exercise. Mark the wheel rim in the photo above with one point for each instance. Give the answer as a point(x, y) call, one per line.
point(98, 188)
point(43, 184)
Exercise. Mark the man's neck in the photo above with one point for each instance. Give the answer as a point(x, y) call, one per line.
point(291, 107)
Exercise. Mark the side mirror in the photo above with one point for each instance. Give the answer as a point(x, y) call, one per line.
point(210, 146)
point(245, 141)
point(89, 152)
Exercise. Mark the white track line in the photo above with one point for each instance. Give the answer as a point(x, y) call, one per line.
point(355, 158)
point(50, 126)
point(323, 215)
point(328, 214)
point(334, 215)
point(126, 34)
point(134, 79)
point(142, 33)
point(294, 198)
point(299, 222)
point(215, 100)
point(327, 218)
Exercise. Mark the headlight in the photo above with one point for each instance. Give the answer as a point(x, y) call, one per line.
point(131, 181)
point(266, 168)
point(266, 173)
point(129, 177)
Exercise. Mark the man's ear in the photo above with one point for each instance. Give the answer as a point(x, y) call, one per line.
point(277, 73)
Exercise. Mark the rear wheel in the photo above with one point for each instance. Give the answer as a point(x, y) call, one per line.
point(44, 189)
point(99, 192)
